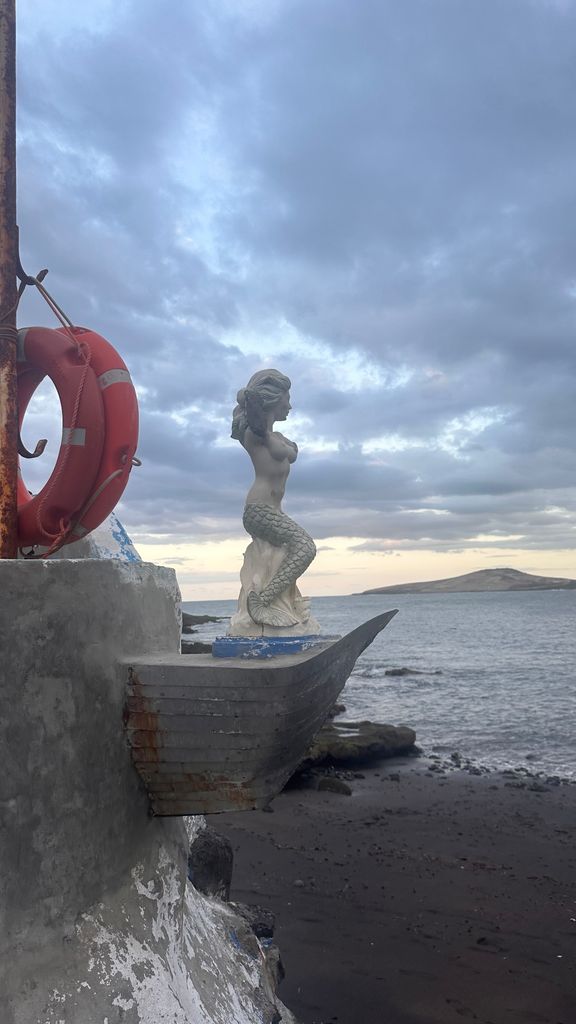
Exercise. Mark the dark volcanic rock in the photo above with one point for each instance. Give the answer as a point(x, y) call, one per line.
point(275, 969)
point(195, 647)
point(404, 671)
point(261, 920)
point(189, 622)
point(210, 861)
point(330, 784)
point(357, 742)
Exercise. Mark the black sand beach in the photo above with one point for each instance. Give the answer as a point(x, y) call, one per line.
point(420, 899)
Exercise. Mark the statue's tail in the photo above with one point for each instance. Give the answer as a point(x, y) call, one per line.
point(272, 525)
point(266, 615)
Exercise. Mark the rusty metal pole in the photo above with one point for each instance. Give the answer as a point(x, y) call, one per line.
point(8, 291)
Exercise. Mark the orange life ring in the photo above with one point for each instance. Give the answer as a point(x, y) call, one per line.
point(99, 437)
point(120, 432)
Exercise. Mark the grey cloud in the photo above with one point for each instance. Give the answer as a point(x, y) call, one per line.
point(394, 178)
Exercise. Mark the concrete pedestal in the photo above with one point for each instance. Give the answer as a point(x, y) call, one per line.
point(261, 563)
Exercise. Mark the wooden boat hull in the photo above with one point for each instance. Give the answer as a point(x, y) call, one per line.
point(212, 735)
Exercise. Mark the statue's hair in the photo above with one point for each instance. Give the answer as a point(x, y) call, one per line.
point(263, 390)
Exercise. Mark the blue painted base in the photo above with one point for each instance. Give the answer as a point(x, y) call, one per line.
point(265, 646)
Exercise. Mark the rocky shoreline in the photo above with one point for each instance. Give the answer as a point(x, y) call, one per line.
point(190, 622)
point(343, 747)
point(438, 891)
point(409, 887)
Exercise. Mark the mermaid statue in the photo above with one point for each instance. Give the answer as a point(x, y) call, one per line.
point(270, 603)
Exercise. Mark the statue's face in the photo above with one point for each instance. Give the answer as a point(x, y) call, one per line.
point(282, 407)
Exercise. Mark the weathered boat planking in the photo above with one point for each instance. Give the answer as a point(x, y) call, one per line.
point(213, 735)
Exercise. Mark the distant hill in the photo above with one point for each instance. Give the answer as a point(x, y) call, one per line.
point(483, 580)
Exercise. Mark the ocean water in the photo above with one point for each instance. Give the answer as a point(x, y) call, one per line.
point(494, 675)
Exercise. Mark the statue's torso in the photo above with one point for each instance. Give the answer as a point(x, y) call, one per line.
point(271, 457)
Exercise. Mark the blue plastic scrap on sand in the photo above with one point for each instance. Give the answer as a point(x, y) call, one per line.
point(266, 646)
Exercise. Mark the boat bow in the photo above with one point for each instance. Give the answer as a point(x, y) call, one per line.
point(210, 735)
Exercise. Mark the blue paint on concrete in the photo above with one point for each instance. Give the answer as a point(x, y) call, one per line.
point(109, 540)
point(126, 550)
point(266, 646)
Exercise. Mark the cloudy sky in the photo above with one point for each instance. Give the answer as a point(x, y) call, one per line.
point(376, 197)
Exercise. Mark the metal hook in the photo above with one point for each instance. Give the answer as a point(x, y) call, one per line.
point(37, 451)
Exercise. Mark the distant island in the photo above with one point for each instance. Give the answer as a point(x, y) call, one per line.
point(475, 582)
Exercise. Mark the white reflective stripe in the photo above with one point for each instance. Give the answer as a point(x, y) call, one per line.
point(76, 436)
point(20, 348)
point(114, 377)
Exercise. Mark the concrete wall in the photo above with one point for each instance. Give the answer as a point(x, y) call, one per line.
point(97, 924)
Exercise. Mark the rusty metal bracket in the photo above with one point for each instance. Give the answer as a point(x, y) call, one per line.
point(25, 278)
point(23, 451)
